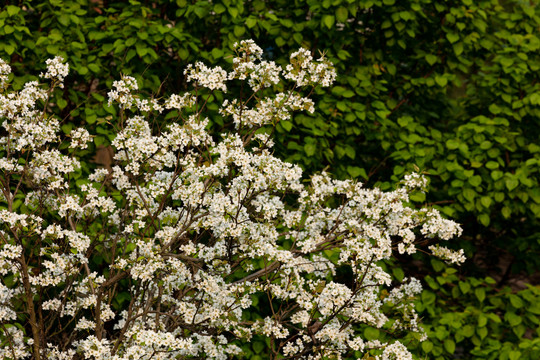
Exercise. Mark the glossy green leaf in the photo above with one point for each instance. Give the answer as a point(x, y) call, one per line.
point(431, 59)
point(480, 294)
point(452, 37)
point(449, 345)
point(329, 20)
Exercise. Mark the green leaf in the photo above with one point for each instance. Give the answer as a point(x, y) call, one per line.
point(476, 164)
point(403, 121)
point(534, 308)
point(511, 183)
point(141, 50)
point(400, 26)
point(382, 113)
point(427, 346)
point(10, 49)
point(350, 152)
point(428, 297)
point(418, 196)
point(494, 317)
point(449, 345)
point(217, 53)
point(53, 49)
point(328, 20)
point(432, 284)
point(349, 94)
point(514, 355)
point(458, 48)
point(469, 194)
point(310, 149)
point(258, 346)
point(482, 332)
point(441, 332)
point(233, 11)
point(516, 301)
point(356, 171)
point(342, 14)
point(287, 125)
point(437, 265)
point(251, 22)
point(441, 80)
point(183, 53)
point(431, 59)
point(63, 19)
point(452, 144)
point(494, 109)
point(512, 318)
point(94, 68)
point(239, 31)
point(452, 37)
point(468, 330)
point(66, 128)
point(405, 15)
point(482, 320)
point(219, 8)
point(496, 175)
point(398, 273)
point(486, 145)
point(507, 62)
point(475, 180)
point(61, 103)
point(12, 10)
point(480, 294)
point(99, 140)
point(371, 333)
point(464, 287)
point(486, 201)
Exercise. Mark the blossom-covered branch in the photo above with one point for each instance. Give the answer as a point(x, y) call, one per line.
point(193, 227)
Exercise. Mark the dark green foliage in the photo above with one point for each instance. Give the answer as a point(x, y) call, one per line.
point(448, 87)
point(470, 318)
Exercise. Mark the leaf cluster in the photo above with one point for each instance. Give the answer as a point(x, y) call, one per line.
point(472, 316)
point(448, 87)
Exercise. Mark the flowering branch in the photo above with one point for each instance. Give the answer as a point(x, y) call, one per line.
point(205, 226)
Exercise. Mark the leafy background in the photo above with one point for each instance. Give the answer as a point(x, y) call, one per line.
point(450, 88)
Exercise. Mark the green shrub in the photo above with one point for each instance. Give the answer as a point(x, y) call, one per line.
point(472, 318)
point(449, 87)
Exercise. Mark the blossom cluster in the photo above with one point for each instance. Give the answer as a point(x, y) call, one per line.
point(56, 70)
point(164, 255)
point(5, 70)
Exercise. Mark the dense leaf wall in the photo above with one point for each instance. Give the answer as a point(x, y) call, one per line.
point(450, 88)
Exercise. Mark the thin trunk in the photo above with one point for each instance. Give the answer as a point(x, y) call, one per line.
point(30, 308)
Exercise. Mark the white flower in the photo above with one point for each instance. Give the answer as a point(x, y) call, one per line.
point(304, 71)
point(56, 69)
point(5, 70)
point(122, 92)
point(211, 78)
point(188, 229)
point(451, 256)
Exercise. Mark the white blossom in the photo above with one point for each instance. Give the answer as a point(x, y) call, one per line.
point(56, 69)
point(165, 254)
point(211, 78)
point(80, 138)
point(5, 70)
